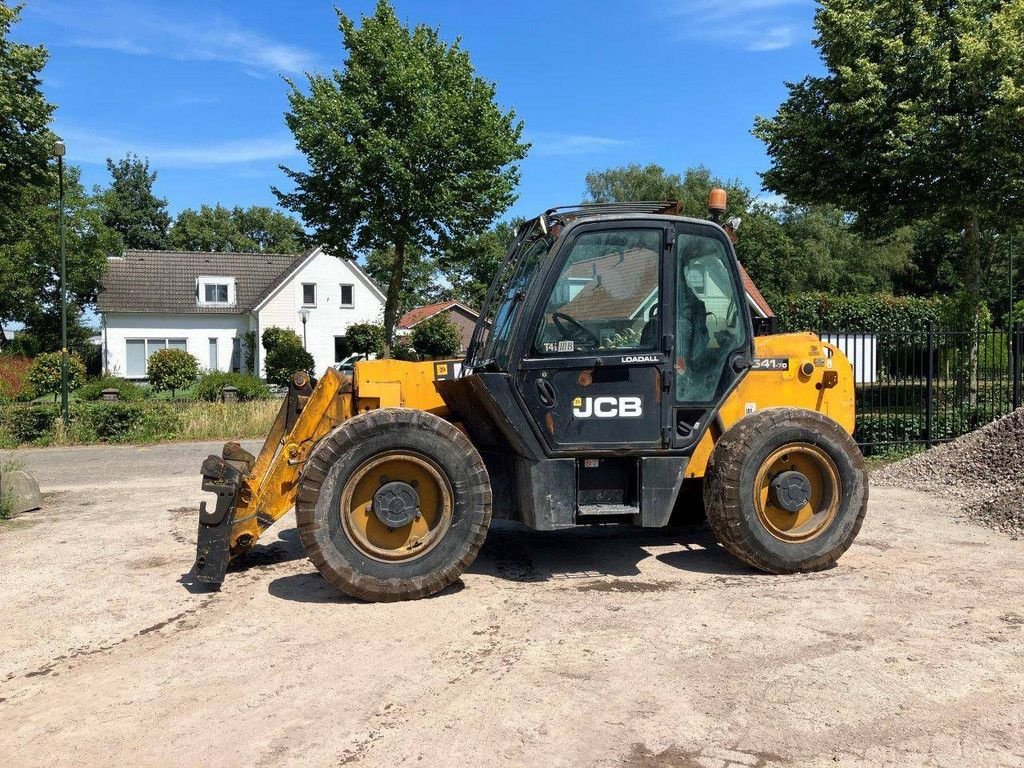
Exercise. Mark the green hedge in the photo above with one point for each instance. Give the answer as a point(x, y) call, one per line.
point(249, 387)
point(867, 313)
point(90, 422)
point(907, 428)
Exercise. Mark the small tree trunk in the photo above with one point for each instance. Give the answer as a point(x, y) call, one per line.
point(972, 285)
point(394, 296)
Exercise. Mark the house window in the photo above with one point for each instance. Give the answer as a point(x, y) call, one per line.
point(346, 296)
point(309, 294)
point(138, 351)
point(216, 291)
point(341, 350)
point(213, 355)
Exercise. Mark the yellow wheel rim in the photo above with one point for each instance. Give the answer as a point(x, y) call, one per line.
point(407, 542)
point(821, 509)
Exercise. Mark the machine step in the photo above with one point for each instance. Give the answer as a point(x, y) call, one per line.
point(605, 510)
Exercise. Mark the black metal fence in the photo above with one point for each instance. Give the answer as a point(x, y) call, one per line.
point(929, 386)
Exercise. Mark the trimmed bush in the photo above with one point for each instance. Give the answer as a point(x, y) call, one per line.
point(249, 387)
point(171, 369)
point(28, 423)
point(365, 338)
point(285, 355)
point(402, 350)
point(127, 391)
point(45, 372)
point(437, 336)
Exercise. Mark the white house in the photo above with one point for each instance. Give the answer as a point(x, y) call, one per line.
point(209, 303)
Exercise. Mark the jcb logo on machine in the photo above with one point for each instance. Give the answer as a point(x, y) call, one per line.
point(608, 407)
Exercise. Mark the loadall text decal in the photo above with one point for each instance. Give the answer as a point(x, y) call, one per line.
point(608, 407)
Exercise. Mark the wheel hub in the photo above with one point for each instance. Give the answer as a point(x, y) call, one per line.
point(791, 491)
point(396, 504)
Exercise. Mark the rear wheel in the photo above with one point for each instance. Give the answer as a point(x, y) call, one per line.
point(786, 490)
point(393, 505)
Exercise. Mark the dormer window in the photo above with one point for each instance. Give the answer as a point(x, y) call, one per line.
point(215, 291)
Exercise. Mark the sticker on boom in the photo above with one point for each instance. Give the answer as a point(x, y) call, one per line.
point(776, 364)
point(608, 407)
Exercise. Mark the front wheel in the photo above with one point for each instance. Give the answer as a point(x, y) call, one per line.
point(394, 504)
point(786, 490)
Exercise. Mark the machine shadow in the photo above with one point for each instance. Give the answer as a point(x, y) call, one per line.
point(516, 553)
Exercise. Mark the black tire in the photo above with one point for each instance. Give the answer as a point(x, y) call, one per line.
point(734, 470)
point(340, 455)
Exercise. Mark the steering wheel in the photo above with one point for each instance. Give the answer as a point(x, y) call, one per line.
point(574, 330)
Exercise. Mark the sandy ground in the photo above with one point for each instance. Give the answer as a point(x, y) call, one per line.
point(597, 647)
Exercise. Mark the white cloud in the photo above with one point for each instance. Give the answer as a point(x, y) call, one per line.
point(88, 146)
point(141, 30)
point(547, 144)
point(753, 25)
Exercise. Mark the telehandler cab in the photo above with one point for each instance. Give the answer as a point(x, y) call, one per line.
point(614, 363)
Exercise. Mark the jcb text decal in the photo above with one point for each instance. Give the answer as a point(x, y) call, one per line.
point(608, 407)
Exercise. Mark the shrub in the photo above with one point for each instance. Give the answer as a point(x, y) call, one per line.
point(14, 384)
point(171, 369)
point(249, 344)
point(365, 338)
point(285, 361)
point(437, 336)
point(28, 423)
point(127, 391)
point(285, 355)
point(249, 387)
point(45, 372)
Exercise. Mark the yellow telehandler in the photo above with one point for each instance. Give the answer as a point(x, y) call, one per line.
point(614, 364)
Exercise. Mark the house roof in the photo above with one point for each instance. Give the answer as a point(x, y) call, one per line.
point(419, 314)
point(755, 293)
point(165, 281)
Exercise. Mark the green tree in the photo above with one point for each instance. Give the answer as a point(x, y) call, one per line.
point(437, 336)
point(364, 338)
point(418, 283)
point(406, 146)
point(917, 117)
point(26, 142)
point(29, 274)
point(633, 183)
point(131, 208)
point(258, 229)
point(44, 375)
point(171, 369)
point(469, 265)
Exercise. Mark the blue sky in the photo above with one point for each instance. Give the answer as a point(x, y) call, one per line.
point(197, 86)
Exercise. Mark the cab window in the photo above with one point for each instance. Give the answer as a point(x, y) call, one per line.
point(710, 324)
point(606, 296)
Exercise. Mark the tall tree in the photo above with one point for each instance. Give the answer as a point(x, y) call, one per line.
point(917, 117)
point(131, 208)
point(469, 265)
point(29, 267)
point(632, 183)
point(26, 142)
point(406, 146)
point(418, 278)
point(258, 229)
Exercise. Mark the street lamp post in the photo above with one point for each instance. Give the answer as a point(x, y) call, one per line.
point(304, 317)
point(58, 151)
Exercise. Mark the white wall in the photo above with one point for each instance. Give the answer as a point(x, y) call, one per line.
point(197, 330)
point(328, 318)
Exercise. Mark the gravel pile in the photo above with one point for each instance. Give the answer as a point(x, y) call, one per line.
point(984, 469)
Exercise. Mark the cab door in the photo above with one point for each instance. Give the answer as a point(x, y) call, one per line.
point(593, 374)
point(713, 337)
